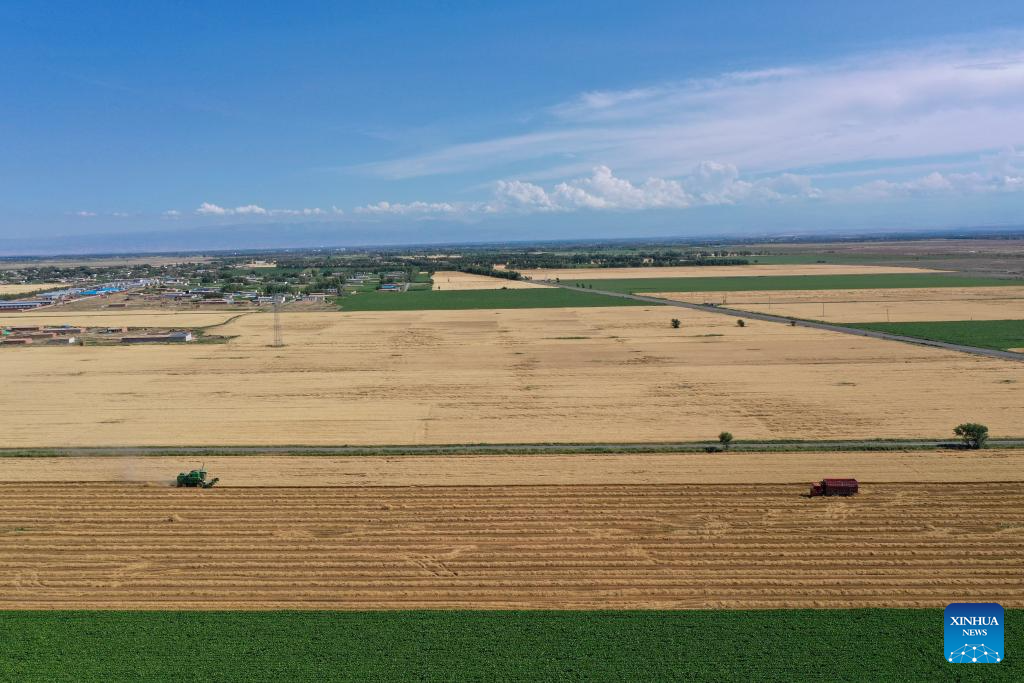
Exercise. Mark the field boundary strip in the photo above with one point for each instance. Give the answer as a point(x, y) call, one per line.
point(787, 446)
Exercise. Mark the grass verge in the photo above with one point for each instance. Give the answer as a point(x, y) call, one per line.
point(792, 283)
point(773, 645)
point(864, 446)
point(541, 297)
point(1002, 335)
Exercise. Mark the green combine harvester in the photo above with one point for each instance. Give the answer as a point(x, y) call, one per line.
point(196, 479)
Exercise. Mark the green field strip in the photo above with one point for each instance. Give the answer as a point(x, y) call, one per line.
point(1002, 335)
point(540, 297)
point(755, 283)
point(746, 645)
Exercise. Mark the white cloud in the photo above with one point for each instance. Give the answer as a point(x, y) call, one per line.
point(85, 214)
point(709, 183)
point(297, 212)
point(936, 184)
point(520, 193)
point(949, 99)
point(208, 209)
point(172, 214)
point(412, 208)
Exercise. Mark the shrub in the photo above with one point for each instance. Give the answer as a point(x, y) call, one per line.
point(740, 323)
point(675, 323)
point(973, 434)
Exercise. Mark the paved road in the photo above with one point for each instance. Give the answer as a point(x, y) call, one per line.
point(768, 317)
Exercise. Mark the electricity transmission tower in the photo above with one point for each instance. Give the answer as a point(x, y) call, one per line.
point(278, 339)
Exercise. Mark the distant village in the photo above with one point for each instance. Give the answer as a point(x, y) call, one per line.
point(219, 285)
point(255, 283)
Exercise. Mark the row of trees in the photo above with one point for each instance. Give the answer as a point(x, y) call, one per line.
point(477, 269)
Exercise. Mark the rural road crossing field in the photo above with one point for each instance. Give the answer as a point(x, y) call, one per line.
point(768, 317)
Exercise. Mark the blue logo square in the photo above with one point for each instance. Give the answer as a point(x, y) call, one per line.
point(973, 633)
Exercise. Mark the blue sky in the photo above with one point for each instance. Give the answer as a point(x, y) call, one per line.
point(450, 121)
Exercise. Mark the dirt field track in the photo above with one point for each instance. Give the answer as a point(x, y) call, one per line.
point(455, 281)
point(618, 546)
point(714, 271)
point(618, 374)
point(873, 305)
point(504, 470)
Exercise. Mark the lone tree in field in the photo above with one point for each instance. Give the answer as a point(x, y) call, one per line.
point(675, 323)
point(974, 435)
point(725, 438)
point(740, 323)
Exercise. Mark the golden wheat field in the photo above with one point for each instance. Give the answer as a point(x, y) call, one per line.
point(101, 262)
point(619, 374)
point(25, 289)
point(716, 271)
point(455, 281)
point(104, 546)
point(1005, 465)
point(872, 305)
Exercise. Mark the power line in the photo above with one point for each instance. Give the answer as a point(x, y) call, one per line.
point(278, 338)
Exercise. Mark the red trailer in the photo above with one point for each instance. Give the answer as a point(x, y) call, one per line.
point(834, 487)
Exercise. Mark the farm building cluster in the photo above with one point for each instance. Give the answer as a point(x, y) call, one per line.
point(69, 294)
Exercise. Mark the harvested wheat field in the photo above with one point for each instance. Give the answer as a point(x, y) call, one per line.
point(25, 289)
point(715, 271)
point(1003, 465)
point(872, 305)
point(456, 281)
point(604, 375)
point(100, 546)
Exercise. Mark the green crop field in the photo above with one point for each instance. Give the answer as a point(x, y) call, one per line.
point(781, 645)
point(792, 282)
point(988, 334)
point(792, 259)
point(485, 298)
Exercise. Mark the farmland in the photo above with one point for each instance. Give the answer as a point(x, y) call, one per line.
point(791, 282)
point(602, 374)
point(990, 334)
point(28, 289)
point(707, 272)
point(595, 645)
point(1005, 465)
point(455, 281)
point(645, 558)
point(469, 299)
point(872, 305)
point(127, 318)
point(564, 546)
